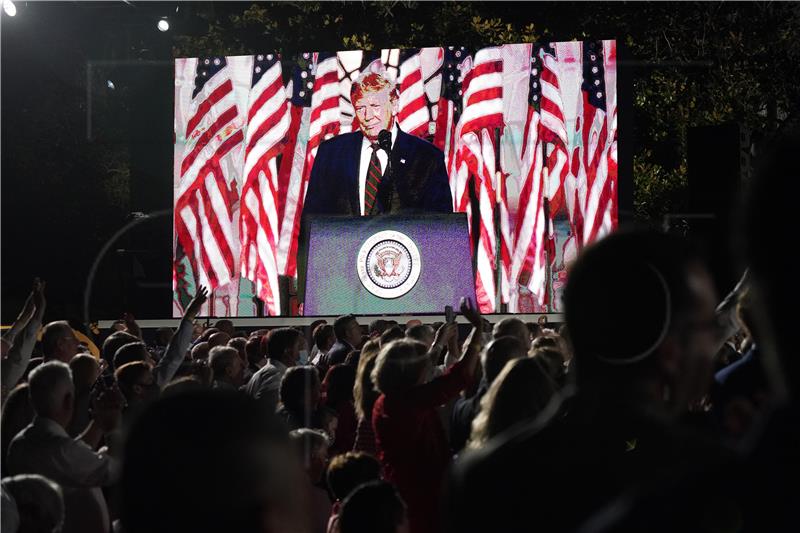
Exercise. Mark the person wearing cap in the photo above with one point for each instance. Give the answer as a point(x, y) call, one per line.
point(619, 428)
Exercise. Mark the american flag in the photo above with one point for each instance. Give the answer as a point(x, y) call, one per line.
point(267, 126)
point(599, 144)
point(290, 172)
point(455, 61)
point(528, 265)
point(206, 193)
point(482, 112)
point(412, 114)
point(553, 131)
point(324, 122)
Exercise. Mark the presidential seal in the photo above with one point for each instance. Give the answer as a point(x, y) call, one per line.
point(388, 264)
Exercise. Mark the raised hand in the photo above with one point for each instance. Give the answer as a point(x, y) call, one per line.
point(197, 302)
point(445, 334)
point(471, 313)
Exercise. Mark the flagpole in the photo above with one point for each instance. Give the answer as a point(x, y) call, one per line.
point(498, 263)
point(546, 235)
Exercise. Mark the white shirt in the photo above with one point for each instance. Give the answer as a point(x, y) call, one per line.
point(44, 448)
point(363, 167)
point(266, 383)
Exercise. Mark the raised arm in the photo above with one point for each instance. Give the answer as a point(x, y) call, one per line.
point(15, 363)
point(176, 351)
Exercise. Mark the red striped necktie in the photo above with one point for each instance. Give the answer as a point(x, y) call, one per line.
point(373, 180)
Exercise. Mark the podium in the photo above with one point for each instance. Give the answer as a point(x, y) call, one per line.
point(386, 264)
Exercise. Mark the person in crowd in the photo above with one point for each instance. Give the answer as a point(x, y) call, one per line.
point(411, 442)
point(225, 326)
point(350, 177)
point(312, 448)
point(85, 371)
point(31, 504)
point(175, 354)
point(534, 329)
point(324, 339)
point(135, 351)
point(741, 392)
point(377, 327)
point(45, 448)
point(200, 351)
point(346, 472)
point(255, 359)
point(520, 392)
point(774, 461)
point(348, 338)
point(553, 361)
point(59, 343)
point(163, 336)
point(375, 507)
point(310, 331)
point(240, 344)
point(183, 384)
point(421, 333)
point(210, 461)
point(621, 426)
point(227, 367)
point(513, 327)
point(393, 333)
point(300, 398)
point(114, 342)
point(283, 348)
point(219, 338)
point(138, 385)
point(338, 386)
point(497, 353)
point(17, 414)
point(364, 396)
point(19, 340)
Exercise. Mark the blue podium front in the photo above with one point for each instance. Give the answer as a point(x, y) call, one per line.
point(388, 264)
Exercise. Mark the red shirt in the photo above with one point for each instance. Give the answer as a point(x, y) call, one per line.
point(412, 446)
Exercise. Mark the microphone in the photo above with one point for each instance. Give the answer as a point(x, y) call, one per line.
point(385, 141)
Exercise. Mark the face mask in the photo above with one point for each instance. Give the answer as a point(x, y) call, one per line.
point(302, 358)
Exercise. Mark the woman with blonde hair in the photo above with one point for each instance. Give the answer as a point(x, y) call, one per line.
point(410, 439)
point(519, 393)
point(364, 396)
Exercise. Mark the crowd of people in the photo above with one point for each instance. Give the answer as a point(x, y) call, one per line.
point(679, 416)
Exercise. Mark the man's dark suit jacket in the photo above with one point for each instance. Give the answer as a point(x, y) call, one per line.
point(418, 181)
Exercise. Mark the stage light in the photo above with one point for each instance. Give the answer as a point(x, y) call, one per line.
point(9, 8)
point(163, 25)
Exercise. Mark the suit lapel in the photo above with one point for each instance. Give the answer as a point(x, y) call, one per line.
point(353, 160)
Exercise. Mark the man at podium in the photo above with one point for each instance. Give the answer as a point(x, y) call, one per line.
point(350, 174)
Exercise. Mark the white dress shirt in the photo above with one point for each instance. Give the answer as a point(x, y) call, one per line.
point(44, 448)
point(363, 167)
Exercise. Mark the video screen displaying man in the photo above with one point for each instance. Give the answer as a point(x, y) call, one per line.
point(352, 175)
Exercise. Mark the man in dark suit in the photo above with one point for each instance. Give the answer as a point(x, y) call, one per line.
point(348, 338)
point(350, 177)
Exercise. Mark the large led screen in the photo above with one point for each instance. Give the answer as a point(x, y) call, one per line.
point(521, 138)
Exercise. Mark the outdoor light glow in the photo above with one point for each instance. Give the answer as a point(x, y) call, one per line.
point(9, 8)
point(163, 25)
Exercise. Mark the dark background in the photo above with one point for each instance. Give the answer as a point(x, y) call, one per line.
point(80, 159)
